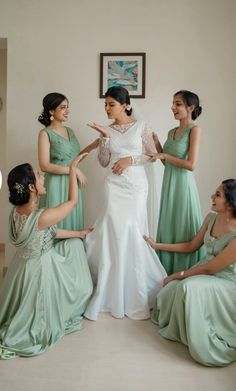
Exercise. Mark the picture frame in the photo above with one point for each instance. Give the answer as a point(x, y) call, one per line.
point(127, 70)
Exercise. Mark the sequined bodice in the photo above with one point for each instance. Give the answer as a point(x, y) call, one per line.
point(41, 241)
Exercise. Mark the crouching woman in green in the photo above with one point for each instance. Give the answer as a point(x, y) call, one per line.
point(48, 285)
point(198, 306)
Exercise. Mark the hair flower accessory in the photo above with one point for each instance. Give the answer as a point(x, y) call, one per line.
point(19, 188)
point(128, 107)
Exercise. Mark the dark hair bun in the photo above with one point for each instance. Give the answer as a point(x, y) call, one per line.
point(129, 112)
point(17, 198)
point(196, 112)
point(19, 179)
point(44, 118)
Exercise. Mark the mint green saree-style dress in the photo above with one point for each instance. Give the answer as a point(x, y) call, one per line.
point(200, 311)
point(180, 212)
point(45, 291)
point(62, 152)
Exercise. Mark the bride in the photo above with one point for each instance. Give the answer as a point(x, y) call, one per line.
point(126, 272)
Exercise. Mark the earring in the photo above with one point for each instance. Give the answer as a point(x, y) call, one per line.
point(51, 115)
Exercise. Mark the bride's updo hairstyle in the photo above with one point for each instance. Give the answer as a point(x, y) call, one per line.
point(121, 95)
point(19, 179)
point(50, 102)
point(190, 99)
point(229, 186)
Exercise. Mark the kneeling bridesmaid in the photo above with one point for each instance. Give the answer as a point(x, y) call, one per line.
point(48, 284)
point(197, 306)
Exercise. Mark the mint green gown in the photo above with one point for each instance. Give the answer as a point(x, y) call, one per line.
point(45, 291)
point(200, 311)
point(180, 212)
point(62, 152)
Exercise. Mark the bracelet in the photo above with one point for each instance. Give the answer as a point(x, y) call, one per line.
point(182, 273)
point(132, 160)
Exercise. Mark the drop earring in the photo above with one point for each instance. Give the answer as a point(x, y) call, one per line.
point(51, 118)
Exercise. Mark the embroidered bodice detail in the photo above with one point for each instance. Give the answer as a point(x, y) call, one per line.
point(122, 128)
point(139, 155)
point(19, 220)
point(41, 240)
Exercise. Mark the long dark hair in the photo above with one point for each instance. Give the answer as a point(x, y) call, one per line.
point(18, 180)
point(229, 186)
point(50, 102)
point(121, 95)
point(190, 99)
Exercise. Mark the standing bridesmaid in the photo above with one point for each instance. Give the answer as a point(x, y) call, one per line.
point(57, 147)
point(180, 213)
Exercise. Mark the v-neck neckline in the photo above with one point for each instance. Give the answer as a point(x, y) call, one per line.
point(180, 136)
point(68, 140)
point(220, 236)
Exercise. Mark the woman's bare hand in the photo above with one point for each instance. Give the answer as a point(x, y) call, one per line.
point(99, 128)
point(150, 241)
point(78, 159)
point(121, 165)
point(81, 177)
point(85, 232)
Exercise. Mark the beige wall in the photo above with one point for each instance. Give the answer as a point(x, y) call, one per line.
point(3, 192)
point(55, 45)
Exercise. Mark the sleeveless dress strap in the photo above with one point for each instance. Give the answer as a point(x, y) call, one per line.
point(48, 133)
point(212, 220)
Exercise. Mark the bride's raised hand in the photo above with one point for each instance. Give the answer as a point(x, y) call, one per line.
point(99, 128)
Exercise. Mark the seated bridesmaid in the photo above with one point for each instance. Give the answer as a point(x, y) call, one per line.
point(198, 306)
point(47, 286)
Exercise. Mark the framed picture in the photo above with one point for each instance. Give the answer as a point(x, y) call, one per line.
point(123, 69)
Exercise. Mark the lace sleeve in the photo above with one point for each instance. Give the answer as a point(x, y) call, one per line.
point(148, 147)
point(104, 153)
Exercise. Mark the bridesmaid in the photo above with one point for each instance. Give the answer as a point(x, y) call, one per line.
point(57, 147)
point(180, 213)
point(47, 285)
point(197, 306)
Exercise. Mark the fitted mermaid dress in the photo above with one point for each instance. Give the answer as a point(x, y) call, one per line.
point(126, 272)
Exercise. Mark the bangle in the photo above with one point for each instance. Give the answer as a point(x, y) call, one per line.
point(132, 160)
point(182, 273)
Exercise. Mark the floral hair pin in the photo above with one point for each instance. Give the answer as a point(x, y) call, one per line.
point(128, 107)
point(19, 188)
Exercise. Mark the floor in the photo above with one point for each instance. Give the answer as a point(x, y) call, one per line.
point(114, 355)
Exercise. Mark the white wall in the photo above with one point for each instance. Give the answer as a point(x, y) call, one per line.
point(55, 45)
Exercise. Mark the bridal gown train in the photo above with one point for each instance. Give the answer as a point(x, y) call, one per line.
point(126, 271)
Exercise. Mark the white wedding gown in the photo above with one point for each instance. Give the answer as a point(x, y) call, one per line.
point(126, 271)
